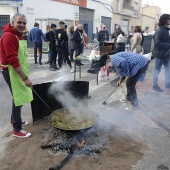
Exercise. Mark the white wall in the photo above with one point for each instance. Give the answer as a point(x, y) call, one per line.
point(100, 10)
point(8, 11)
point(46, 9)
point(52, 9)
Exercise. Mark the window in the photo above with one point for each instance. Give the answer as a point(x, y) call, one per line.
point(117, 5)
point(136, 8)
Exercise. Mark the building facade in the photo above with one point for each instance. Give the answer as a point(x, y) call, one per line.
point(127, 14)
point(90, 13)
point(152, 11)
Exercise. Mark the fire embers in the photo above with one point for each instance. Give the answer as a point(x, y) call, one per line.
point(85, 142)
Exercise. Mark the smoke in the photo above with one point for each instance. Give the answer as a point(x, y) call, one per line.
point(62, 93)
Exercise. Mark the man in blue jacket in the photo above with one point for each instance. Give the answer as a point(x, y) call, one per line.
point(160, 52)
point(35, 37)
point(132, 67)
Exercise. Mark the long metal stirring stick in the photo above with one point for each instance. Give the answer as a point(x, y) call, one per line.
point(42, 100)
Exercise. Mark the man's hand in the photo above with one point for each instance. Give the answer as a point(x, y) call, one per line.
point(28, 83)
point(48, 42)
point(119, 82)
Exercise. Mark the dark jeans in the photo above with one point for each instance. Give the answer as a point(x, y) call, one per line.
point(37, 45)
point(158, 64)
point(71, 54)
point(131, 83)
point(79, 50)
point(53, 56)
point(63, 53)
point(16, 110)
point(49, 55)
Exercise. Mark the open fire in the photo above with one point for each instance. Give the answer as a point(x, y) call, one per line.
point(89, 142)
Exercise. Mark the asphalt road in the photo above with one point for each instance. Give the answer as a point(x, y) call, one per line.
point(140, 124)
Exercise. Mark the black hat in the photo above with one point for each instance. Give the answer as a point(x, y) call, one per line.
point(53, 25)
point(164, 16)
point(61, 22)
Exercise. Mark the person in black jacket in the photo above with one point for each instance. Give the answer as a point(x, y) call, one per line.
point(62, 45)
point(78, 37)
point(161, 47)
point(103, 35)
point(52, 40)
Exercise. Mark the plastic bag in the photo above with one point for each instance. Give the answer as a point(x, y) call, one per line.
point(103, 74)
point(92, 55)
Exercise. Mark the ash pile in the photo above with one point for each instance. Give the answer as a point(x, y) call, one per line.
point(87, 142)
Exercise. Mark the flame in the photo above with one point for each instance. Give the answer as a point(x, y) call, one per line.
point(80, 145)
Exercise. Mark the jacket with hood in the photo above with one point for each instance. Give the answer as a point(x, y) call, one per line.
point(161, 42)
point(9, 46)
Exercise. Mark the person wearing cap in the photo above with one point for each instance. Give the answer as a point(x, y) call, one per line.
point(160, 51)
point(103, 35)
point(62, 45)
point(52, 40)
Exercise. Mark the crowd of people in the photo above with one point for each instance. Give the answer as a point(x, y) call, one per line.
point(62, 44)
point(131, 66)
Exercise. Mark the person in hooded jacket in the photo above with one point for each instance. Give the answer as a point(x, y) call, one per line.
point(15, 70)
point(160, 51)
point(62, 46)
point(52, 39)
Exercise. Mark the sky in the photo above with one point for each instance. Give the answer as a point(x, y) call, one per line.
point(163, 4)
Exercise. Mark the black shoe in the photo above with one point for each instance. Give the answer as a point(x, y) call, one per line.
point(167, 85)
point(157, 88)
point(40, 63)
point(81, 64)
point(35, 62)
point(47, 62)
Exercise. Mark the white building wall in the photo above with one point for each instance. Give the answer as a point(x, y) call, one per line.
point(52, 9)
point(100, 11)
point(8, 11)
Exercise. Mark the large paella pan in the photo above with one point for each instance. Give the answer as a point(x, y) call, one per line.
point(65, 120)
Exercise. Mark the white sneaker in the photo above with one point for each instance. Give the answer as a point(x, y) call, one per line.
point(72, 70)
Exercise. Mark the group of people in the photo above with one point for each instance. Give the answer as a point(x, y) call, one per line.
point(136, 39)
point(130, 65)
point(61, 44)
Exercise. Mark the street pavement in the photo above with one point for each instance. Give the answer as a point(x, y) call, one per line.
point(149, 124)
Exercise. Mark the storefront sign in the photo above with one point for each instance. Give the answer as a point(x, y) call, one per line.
point(81, 3)
point(14, 3)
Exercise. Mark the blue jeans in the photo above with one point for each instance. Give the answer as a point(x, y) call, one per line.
point(37, 45)
point(158, 64)
point(16, 110)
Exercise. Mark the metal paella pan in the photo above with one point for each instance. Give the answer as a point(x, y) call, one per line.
point(65, 120)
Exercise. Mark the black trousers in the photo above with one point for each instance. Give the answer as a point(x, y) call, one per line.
point(16, 110)
point(131, 83)
point(63, 53)
point(71, 54)
point(53, 56)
